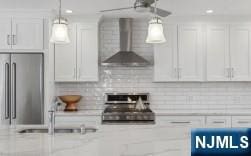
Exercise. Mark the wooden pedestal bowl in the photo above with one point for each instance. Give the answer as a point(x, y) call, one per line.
point(71, 102)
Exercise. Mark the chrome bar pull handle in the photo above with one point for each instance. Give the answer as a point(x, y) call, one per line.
point(79, 72)
point(175, 73)
point(228, 74)
point(8, 40)
point(179, 69)
point(14, 39)
point(74, 73)
point(232, 72)
point(7, 101)
point(14, 91)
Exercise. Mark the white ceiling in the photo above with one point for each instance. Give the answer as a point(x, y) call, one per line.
point(178, 7)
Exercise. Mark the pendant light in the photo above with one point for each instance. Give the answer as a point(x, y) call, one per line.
point(155, 29)
point(60, 30)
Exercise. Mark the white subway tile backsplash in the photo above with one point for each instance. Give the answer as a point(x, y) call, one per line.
point(218, 97)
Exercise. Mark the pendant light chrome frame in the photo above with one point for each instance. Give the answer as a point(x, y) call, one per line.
point(157, 23)
point(60, 23)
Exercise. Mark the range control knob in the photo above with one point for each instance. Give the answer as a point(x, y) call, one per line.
point(145, 117)
point(139, 117)
point(117, 117)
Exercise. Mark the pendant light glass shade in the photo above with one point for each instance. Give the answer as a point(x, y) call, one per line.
point(60, 32)
point(155, 31)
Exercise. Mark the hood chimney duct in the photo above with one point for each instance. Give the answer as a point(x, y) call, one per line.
point(125, 57)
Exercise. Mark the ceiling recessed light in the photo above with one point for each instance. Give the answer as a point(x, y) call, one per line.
point(68, 11)
point(209, 11)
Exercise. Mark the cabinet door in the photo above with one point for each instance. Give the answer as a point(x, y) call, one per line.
point(240, 52)
point(217, 52)
point(27, 33)
point(190, 53)
point(218, 121)
point(241, 121)
point(5, 33)
point(165, 57)
point(87, 52)
point(75, 120)
point(181, 121)
point(65, 58)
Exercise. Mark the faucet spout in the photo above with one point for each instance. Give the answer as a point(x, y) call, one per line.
point(51, 125)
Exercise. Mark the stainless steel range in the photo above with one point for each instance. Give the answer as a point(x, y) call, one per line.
point(123, 108)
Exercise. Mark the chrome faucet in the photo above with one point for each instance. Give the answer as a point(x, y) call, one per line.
point(51, 124)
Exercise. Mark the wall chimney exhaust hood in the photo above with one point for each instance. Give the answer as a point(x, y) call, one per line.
point(126, 57)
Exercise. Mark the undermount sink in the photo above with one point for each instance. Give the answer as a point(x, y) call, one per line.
point(57, 130)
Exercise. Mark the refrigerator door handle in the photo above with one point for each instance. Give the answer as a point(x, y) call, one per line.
point(7, 106)
point(14, 90)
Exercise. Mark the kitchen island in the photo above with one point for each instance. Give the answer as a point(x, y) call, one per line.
point(109, 140)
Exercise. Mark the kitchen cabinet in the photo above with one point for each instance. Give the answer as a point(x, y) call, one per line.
point(190, 53)
point(65, 57)
point(240, 54)
point(217, 53)
point(78, 120)
point(228, 53)
point(87, 52)
point(181, 121)
point(5, 33)
point(180, 58)
point(165, 57)
point(21, 34)
point(78, 61)
point(218, 121)
point(241, 121)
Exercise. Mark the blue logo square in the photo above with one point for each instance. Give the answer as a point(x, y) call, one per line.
point(221, 142)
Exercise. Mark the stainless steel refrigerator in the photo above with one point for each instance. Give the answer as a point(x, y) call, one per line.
point(21, 88)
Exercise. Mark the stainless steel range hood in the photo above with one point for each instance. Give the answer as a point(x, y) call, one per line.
point(125, 57)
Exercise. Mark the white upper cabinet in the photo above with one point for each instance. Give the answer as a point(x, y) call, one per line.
point(21, 34)
point(240, 52)
point(165, 57)
point(87, 52)
point(180, 58)
point(27, 33)
point(5, 33)
point(190, 53)
point(78, 61)
point(217, 53)
point(65, 58)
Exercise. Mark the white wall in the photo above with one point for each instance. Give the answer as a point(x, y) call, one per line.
point(180, 97)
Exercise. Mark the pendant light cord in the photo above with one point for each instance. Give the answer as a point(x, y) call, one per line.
point(155, 7)
point(59, 19)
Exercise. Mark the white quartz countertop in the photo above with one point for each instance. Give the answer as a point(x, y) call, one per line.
point(109, 140)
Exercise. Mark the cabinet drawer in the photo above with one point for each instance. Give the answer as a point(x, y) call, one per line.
point(181, 121)
point(218, 121)
point(78, 120)
point(241, 121)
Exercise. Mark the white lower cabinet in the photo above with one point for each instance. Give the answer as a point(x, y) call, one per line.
point(241, 121)
point(169, 121)
point(181, 121)
point(78, 120)
point(218, 121)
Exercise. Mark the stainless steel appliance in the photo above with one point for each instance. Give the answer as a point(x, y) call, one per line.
point(121, 109)
point(126, 57)
point(21, 88)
